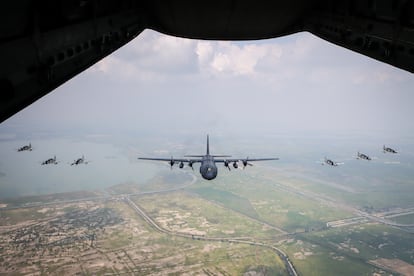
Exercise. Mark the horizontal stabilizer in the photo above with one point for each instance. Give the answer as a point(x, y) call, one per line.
point(193, 155)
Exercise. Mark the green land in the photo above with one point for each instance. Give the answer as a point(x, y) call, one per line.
point(229, 226)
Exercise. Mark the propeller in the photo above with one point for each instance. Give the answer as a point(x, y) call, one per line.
point(226, 164)
point(190, 164)
point(245, 162)
point(172, 162)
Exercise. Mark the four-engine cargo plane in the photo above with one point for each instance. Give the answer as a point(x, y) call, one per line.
point(208, 168)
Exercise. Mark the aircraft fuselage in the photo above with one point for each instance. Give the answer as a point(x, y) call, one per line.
point(330, 162)
point(208, 168)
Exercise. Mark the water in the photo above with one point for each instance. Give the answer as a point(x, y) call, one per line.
point(113, 160)
point(21, 173)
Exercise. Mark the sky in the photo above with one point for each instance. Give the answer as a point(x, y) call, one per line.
point(161, 95)
point(159, 83)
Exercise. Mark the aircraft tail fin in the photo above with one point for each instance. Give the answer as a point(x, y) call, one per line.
point(208, 146)
point(207, 151)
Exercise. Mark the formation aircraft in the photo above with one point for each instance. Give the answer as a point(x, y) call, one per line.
point(208, 168)
point(387, 149)
point(363, 156)
point(330, 162)
point(79, 161)
point(50, 161)
point(25, 148)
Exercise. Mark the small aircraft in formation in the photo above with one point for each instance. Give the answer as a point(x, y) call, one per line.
point(363, 156)
point(79, 161)
point(50, 161)
point(75, 162)
point(25, 148)
point(384, 150)
point(360, 156)
point(389, 150)
point(331, 163)
point(208, 168)
point(53, 160)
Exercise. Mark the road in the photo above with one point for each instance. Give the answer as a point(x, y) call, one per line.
point(329, 201)
point(126, 197)
point(242, 240)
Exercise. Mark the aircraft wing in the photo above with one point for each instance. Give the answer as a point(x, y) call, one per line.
point(230, 160)
point(171, 158)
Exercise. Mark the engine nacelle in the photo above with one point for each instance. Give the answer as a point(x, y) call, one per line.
point(226, 164)
point(181, 165)
point(235, 165)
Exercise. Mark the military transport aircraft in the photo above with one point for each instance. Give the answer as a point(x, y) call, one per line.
point(50, 161)
point(79, 161)
point(387, 149)
point(208, 169)
point(26, 147)
point(363, 156)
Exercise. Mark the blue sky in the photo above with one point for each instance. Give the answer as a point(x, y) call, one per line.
point(294, 83)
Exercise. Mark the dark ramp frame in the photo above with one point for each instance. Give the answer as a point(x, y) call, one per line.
point(45, 43)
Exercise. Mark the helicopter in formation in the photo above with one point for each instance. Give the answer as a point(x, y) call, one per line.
point(208, 168)
point(25, 148)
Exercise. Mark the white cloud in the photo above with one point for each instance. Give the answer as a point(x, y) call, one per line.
point(152, 51)
point(153, 54)
point(297, 81)
point(235, 59)
point(204, 52)
point(156, 57)
point(238, 59)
